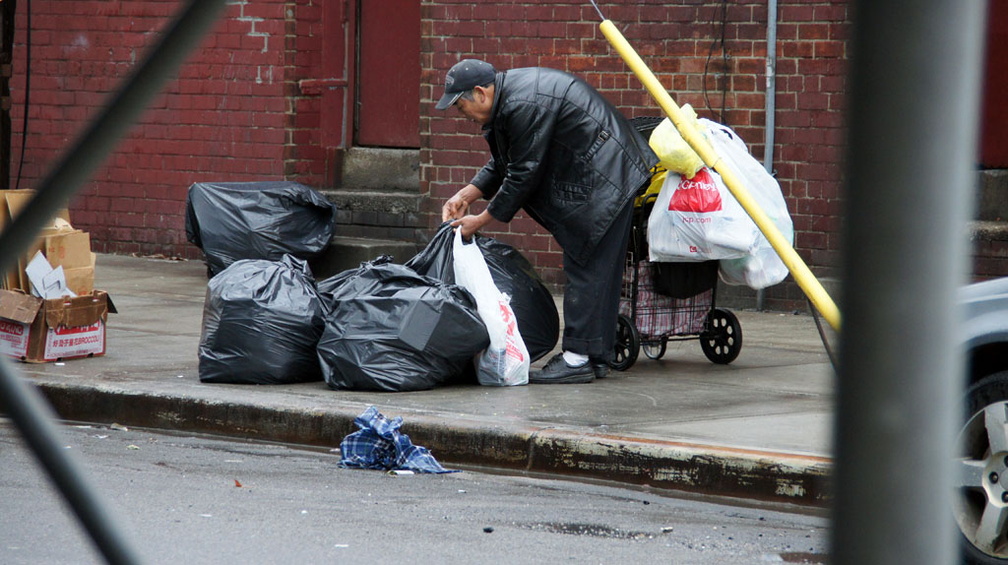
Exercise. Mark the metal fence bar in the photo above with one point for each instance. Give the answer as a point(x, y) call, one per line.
point(35, 420)
point(914, 103)
point(24, 404)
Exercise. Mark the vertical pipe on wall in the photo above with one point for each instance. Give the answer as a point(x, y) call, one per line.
point(770, 102)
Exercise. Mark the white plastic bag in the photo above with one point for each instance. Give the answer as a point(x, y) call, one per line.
point(698, 219)
point(506, 361)
point(761, 267)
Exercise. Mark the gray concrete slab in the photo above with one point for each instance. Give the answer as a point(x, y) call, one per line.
point(758, 427)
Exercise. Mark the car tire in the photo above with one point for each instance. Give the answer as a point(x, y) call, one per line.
point(980, 498)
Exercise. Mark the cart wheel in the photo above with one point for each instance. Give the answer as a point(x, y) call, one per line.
point(627, 346)
point(722, 341)
point(654, 349)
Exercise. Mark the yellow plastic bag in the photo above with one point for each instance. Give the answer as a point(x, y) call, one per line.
point(651, 193)
point(673, 152)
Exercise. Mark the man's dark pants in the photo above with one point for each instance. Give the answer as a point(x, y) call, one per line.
point(592, 292)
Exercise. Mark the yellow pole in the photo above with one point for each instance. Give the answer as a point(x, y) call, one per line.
point(801, 273)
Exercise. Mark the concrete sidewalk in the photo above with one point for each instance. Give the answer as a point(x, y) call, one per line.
point(757, 428)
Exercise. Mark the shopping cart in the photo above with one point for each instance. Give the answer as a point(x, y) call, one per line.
point(663, 302)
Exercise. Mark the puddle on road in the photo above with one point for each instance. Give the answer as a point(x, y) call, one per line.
point(811, 558)
point(600, 531)
point(594, 530)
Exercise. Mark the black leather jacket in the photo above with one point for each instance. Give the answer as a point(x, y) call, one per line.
point(563, 153)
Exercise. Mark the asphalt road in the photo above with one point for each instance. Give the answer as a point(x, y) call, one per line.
point(195, 500)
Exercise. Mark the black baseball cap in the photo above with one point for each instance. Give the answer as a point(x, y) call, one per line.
point(463, 77)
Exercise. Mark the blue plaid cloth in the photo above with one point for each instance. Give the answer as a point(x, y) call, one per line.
point(379, 445)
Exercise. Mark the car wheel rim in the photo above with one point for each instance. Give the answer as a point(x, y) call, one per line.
point(981, 499)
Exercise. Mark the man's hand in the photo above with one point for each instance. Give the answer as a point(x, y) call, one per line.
point(471, 224)
point(454, 208)
point(458, 205)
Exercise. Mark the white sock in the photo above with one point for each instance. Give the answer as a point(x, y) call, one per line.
point(574, 359)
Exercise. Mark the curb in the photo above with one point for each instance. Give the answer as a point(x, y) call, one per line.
point(703, 469)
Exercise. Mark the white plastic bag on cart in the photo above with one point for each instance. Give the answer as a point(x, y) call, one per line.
point(698, 219)
point(761, 267)
point(506, 361)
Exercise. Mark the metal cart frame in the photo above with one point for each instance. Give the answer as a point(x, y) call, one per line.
point(648, 319)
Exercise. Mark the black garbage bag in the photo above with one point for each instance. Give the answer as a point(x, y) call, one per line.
point(436, 259)
point(328, 287)
point(230, 221)
point(533, 305)
point(390, 329)
point(261, 322)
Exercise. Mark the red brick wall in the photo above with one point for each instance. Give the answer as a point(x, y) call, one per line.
point(711, 55)
point(233, 113)
point(990, 251)
point(266, 96)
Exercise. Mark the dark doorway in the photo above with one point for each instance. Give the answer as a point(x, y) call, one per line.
point(994, 118)
point(388, 74)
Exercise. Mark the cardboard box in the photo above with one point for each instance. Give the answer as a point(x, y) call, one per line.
point(81, 279)
point(71, 249)
point(17, 312)
point(39, 331)
point(11, 203)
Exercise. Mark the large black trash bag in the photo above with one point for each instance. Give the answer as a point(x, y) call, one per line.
point(533, 305)
point(230, 221)
point(327, 287)
point(390, 329)
point(436, 259)
point(261, 322)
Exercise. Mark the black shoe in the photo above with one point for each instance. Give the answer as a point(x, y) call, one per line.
point(600, 368)
point(557, 371)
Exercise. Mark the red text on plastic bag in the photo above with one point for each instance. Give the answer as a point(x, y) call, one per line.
point(699, 194)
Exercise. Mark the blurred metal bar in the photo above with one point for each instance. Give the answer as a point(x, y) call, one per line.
point(35, 420)
point(914, 102)
point(23, 403)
